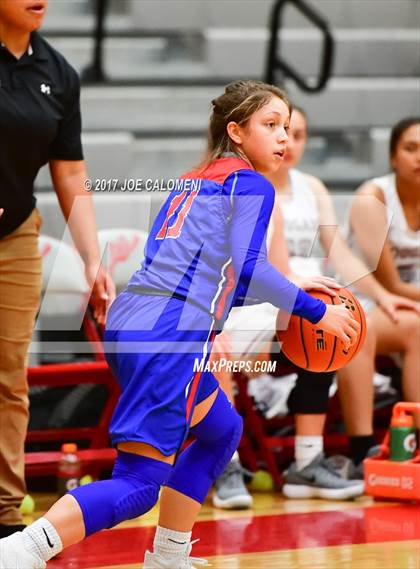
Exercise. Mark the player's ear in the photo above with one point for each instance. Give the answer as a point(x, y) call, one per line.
point(235, 132)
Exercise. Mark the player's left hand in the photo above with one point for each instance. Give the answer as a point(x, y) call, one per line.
point(323, 284)
point(103, 290)
point(392, 303)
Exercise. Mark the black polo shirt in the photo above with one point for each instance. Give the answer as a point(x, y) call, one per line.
point(39, 121)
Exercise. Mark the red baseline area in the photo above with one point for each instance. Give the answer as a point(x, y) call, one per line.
point(254, 534)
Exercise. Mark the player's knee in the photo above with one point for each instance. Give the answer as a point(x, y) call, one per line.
point(136, 502)
point(218, 436)
point(220, 432)
point(310, 394)
point(132, 491)
point(231, 440)
point(412, 327)
point(221, 422)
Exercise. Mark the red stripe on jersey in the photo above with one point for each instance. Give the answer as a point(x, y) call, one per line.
point(218, 170)
point(194, 385)
point(230, 283)
point(191, 394)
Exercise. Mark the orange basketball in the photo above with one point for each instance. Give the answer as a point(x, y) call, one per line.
point(309, 347)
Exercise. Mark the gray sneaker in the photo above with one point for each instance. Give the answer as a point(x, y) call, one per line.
point(230, 492)
point(346, 468)
point(319, 480)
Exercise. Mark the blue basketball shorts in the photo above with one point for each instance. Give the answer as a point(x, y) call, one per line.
point(154, 346)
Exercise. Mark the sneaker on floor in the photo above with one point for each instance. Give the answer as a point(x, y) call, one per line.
point(13, 554)
point(346, 468)
point(155, 561)
point(230, 492)
point(319, 480)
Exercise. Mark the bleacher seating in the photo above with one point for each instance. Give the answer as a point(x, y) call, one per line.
point(177, 55)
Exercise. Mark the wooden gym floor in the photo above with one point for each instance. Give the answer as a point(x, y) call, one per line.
point(276, 534)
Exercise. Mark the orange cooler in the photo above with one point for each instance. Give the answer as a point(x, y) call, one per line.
point(387, 478)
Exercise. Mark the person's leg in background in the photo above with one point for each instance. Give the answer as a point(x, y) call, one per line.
point(356, 391)
point(20, 289)
point(356, 379)
point(310, 475)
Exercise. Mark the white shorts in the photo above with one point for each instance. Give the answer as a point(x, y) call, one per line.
point(250, 329)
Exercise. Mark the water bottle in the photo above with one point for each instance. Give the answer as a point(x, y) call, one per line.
point(403, 437)
point(69, 469)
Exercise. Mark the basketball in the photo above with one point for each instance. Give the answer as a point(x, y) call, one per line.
point(309, 347)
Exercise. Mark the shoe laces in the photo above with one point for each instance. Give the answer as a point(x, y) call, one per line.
point(340, 464)
point(190, 562)
point(233, 475)
point(326, 465)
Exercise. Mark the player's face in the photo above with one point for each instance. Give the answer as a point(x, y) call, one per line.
point(297, 140)
point(406, 160)
point(263, 139)
point(22, 15)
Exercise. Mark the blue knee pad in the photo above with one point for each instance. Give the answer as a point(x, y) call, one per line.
point(218, 436)
point(132, 491)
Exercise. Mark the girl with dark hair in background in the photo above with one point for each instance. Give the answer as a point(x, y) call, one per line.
point(385, 219)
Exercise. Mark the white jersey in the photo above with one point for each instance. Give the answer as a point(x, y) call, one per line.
point(404, 241)
point(250, 328)
point(301, 224)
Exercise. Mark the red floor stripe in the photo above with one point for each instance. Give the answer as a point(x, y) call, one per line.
point(254, 534)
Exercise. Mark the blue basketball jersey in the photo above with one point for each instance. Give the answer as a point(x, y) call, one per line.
point(208, 244)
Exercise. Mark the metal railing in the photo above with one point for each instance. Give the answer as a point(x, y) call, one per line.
point(95, 71)
point(276, 63)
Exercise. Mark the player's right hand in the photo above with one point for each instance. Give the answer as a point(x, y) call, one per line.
point(338, 321)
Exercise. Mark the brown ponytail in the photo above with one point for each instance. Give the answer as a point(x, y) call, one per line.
point(238, 103)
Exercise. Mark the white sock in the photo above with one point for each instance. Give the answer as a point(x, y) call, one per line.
point(306, 449)
point(170, 543)
point(41, 539)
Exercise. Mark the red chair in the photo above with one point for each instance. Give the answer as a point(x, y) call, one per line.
point(65, 290)
point(60, 375)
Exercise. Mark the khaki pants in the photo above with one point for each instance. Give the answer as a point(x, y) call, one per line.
point(20, 290)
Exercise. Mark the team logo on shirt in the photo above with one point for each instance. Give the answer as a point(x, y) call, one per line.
point(46, 89)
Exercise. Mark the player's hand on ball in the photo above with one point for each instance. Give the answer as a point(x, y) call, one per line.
point(324, 284)
point(338, 321)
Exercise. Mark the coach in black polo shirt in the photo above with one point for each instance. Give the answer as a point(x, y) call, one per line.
point(39, 123)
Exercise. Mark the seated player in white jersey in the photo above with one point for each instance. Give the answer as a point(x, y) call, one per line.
point(304, 207)
point(396, 232)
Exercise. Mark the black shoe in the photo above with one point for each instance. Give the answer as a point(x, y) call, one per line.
point(5, 530)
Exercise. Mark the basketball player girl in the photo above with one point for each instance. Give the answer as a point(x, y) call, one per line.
point(206, 251)
point(303, 207)
point(394, 230)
